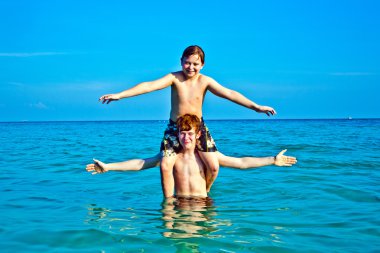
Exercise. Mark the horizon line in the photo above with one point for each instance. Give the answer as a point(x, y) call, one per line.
point(128, 120)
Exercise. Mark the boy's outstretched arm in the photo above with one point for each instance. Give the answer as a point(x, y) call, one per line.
point(253, 162)
point(130, 165)
point(141, 88)
point(238, 98)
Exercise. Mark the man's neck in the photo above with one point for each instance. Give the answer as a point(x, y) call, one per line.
point(188, 152)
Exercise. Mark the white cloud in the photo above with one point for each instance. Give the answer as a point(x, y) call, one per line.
point(31, 54)
point(39, 105)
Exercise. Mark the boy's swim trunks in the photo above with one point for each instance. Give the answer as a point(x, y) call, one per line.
point(170, 145)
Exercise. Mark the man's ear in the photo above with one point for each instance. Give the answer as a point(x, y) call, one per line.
point(198, 134)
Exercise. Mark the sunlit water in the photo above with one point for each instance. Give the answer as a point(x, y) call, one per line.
point(328, 202)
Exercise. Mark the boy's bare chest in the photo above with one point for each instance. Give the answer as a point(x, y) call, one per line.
point(190, 91)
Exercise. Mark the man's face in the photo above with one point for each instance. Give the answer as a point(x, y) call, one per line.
point(191, 65)
point(188, 139)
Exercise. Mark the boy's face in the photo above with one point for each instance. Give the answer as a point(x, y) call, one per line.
point(188, 139)
point(192, 65)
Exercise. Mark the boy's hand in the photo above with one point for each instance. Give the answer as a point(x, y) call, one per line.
point(96, 167)
point(267, 110)
point(282, 160)
point(109, 98)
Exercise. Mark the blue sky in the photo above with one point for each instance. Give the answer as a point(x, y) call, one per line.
point(307, 59)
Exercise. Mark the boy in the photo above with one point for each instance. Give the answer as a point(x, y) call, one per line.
point(190, 175)
point(188, 88)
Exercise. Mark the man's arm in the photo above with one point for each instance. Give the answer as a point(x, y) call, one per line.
point(139, 89)
point(238, 98)
point(254, 162)
point(130, 165)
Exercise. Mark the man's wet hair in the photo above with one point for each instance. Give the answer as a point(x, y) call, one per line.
point(187, 122)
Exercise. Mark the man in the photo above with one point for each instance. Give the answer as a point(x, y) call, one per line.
point(190, 174)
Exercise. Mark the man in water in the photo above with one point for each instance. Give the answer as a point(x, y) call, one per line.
point(190, 173)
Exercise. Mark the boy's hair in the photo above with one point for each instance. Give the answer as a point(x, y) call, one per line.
point(187, 122)
point(194, 50)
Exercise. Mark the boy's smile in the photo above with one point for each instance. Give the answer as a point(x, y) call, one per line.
point(192, 65)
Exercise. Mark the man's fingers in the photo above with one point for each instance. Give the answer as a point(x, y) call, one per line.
point(97, 162)
point(282, 152)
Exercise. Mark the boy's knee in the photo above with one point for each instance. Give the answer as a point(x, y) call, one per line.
point(214, 168)
point(167, 165)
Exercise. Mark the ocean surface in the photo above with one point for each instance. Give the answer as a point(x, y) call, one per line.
point(328, 202)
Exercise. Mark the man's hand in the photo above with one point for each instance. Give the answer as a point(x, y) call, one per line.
point(96, 167)
point(283, 160)
point(109, 98)
point(267, 110)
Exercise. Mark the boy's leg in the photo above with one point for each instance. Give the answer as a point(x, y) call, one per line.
point(169, 148)
point(167, 178)
point(207, 151)
point(211, 162)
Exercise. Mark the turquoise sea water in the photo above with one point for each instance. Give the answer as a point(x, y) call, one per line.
point(328, 202)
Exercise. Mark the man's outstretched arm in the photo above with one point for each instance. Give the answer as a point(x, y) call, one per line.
point(255, 162)
point(130, 165)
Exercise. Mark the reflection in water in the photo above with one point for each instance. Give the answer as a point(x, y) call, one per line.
point(179, 219)
point(96, 213)
point(189, 217)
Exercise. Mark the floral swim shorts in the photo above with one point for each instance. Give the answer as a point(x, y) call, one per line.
point(170, 145)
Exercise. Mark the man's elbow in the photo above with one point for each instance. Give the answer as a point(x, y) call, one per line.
point(241, 165)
